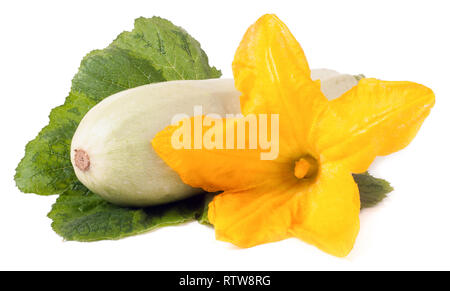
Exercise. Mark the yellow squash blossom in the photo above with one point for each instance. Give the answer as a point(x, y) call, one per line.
point(307, 192)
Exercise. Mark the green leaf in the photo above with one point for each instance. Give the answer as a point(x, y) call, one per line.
point(80, 215)
point(169, 48)
point(371, 190)
point(203, 217)
point(359, 77)
point(155, 51)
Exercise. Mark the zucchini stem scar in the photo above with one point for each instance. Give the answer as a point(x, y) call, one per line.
point(82, 161)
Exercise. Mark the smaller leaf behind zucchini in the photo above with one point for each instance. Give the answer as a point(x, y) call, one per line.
point(80, 215)
point(371, 190)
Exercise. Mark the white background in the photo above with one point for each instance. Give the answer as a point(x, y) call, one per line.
point(43, 42)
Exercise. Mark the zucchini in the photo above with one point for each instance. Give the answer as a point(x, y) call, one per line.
point(111, 151)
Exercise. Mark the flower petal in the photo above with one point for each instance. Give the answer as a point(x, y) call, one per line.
point(329, 214)
point(373, 118)
point(254, 216)
point(324, 212)
point(217, 169)
point(271, 71)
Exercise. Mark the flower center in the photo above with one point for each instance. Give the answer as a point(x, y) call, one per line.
point(305, 167)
